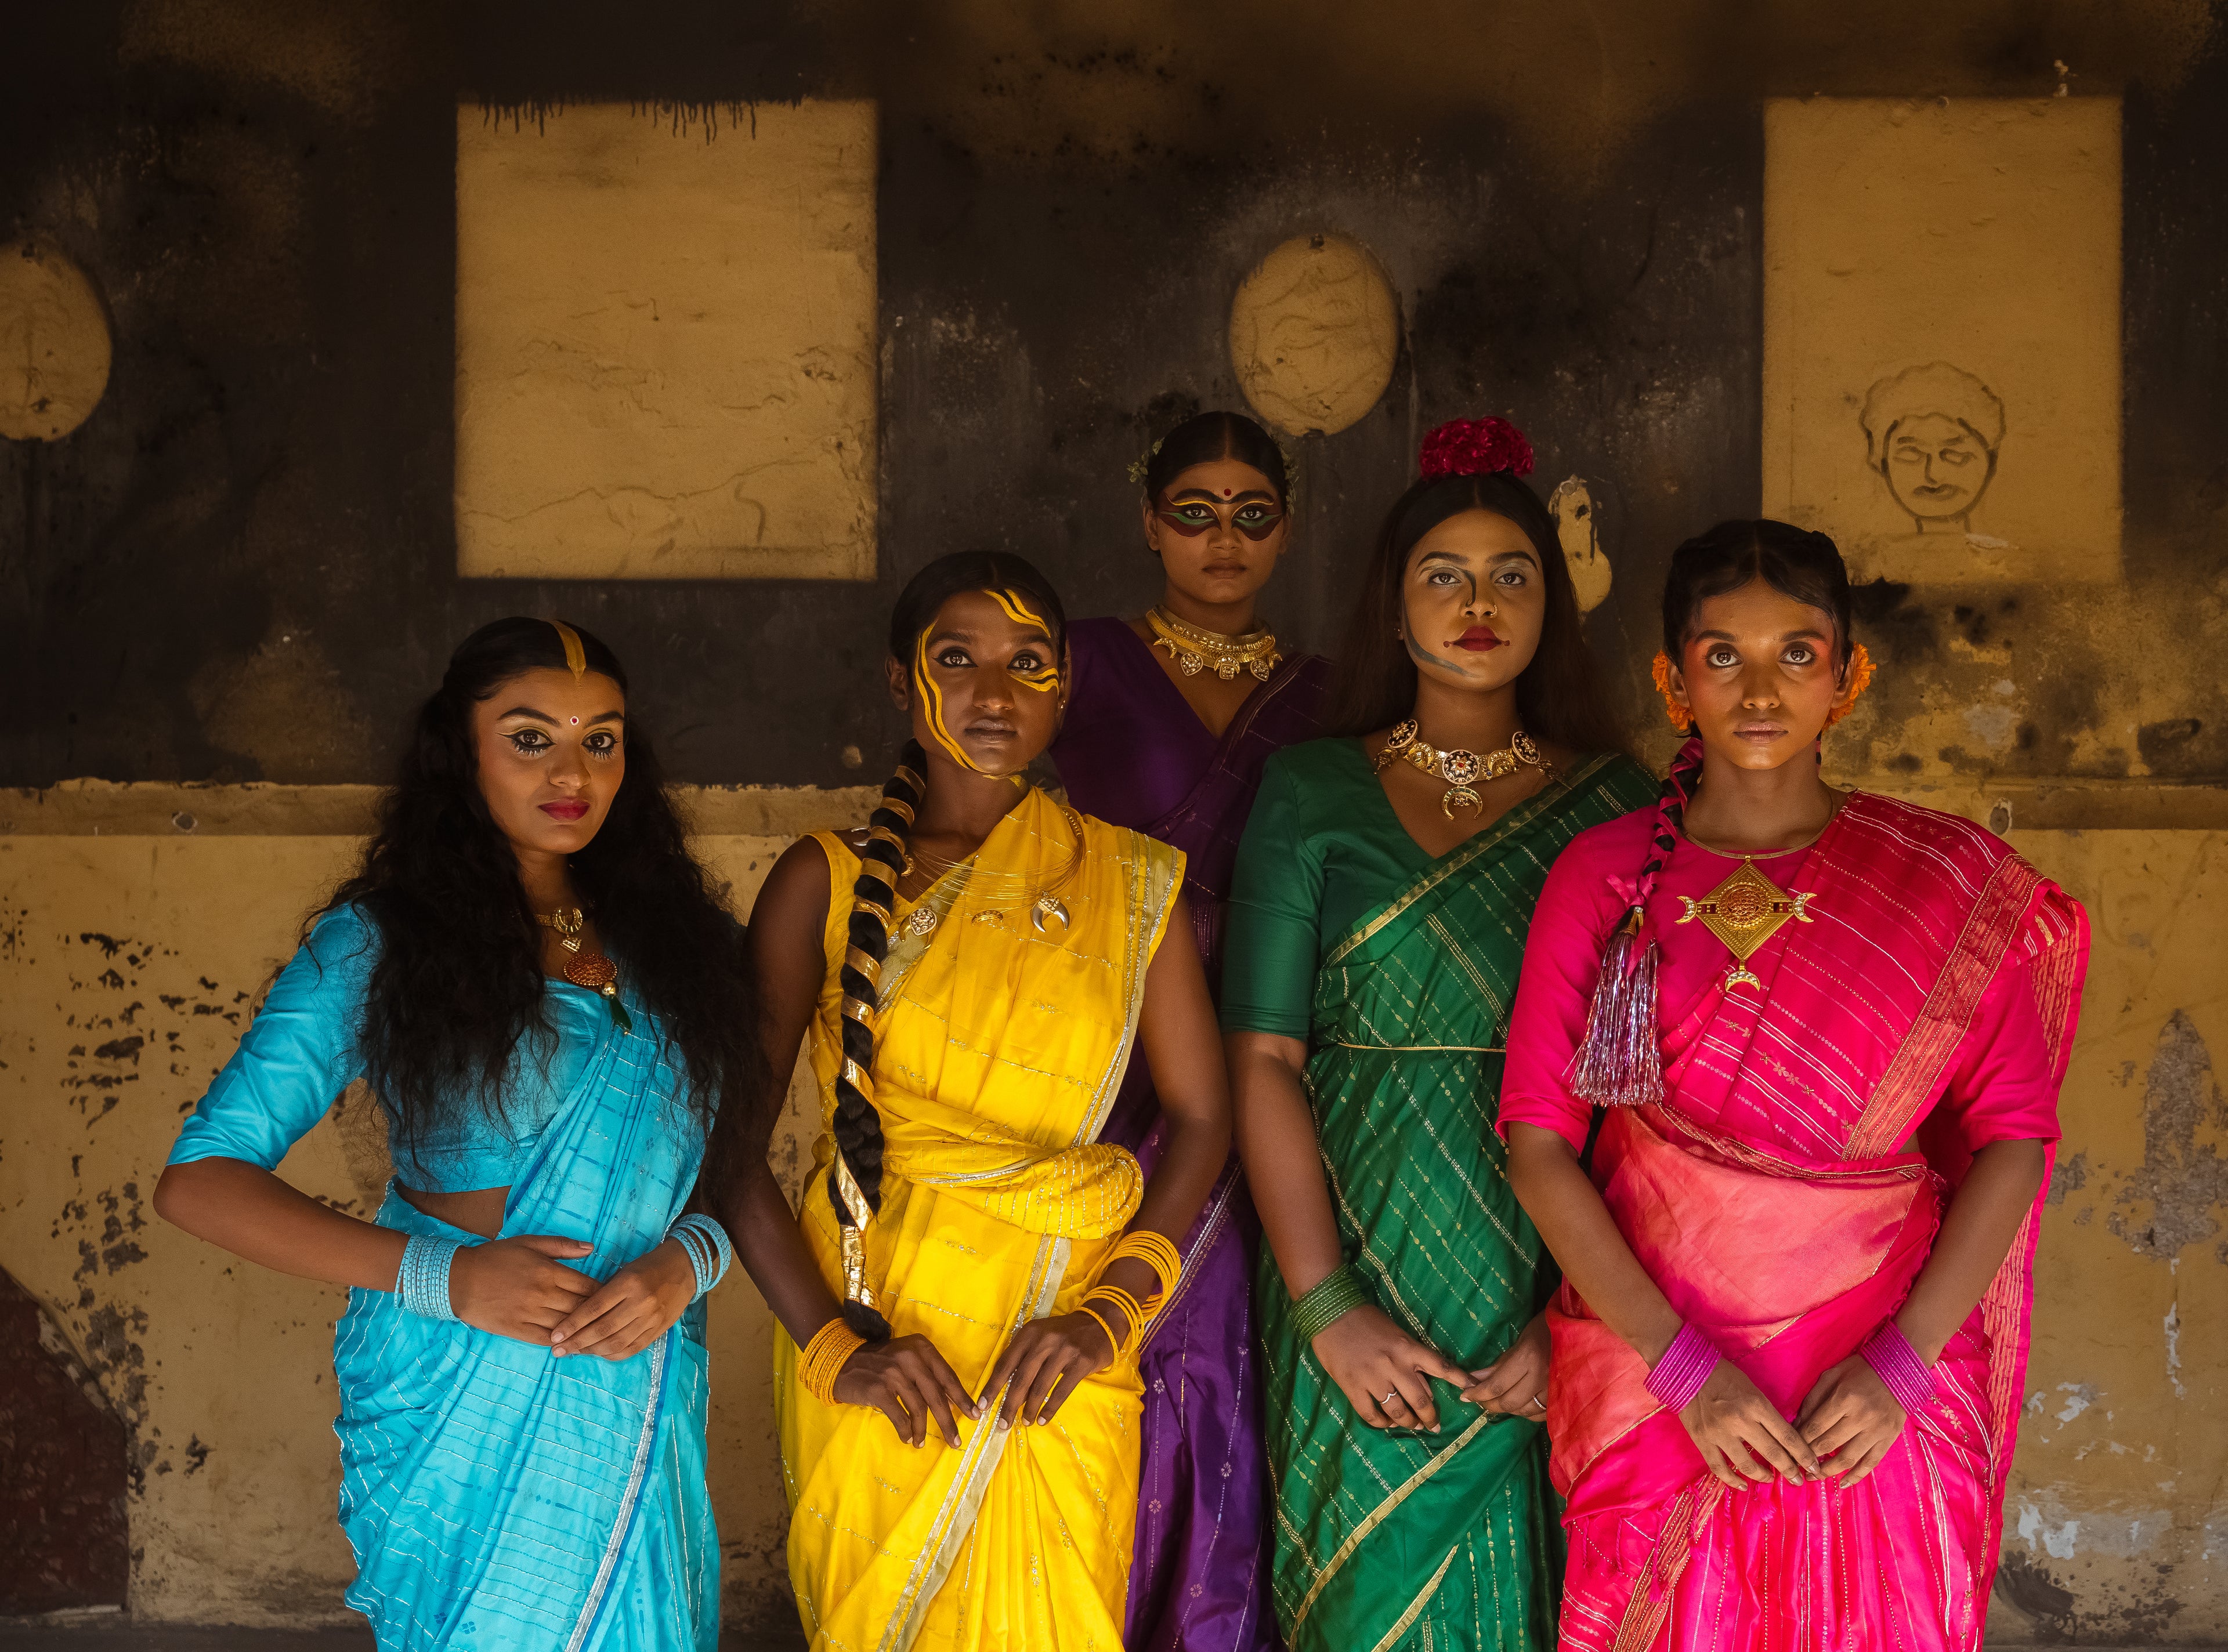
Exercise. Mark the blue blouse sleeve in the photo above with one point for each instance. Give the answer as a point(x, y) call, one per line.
point(299, 1055)
point(1272, 943)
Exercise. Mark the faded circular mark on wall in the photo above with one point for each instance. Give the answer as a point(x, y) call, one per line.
point(1314, 332)
point(53, 344)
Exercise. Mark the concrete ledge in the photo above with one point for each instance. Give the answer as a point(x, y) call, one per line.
point(103, 809)
point(107, 808)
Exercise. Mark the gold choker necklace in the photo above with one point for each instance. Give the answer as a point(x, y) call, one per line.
point(1461, 769)
point(1195, 650)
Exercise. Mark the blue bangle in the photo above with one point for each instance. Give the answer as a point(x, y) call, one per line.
point(707, 1244)
point(423, 1281)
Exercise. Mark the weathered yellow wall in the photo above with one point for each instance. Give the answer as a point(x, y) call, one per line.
point(128, 964)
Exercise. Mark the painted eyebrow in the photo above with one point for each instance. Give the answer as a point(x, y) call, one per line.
point(528, 712)
point(1210, 495)
point(1811, 635)
point(969, 638)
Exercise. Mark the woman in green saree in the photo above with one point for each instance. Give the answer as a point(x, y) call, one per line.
point(1376, 929)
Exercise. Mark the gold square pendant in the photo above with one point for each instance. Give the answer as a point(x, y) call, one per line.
point(1744, 911)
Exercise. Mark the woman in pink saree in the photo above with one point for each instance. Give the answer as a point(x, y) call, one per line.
point(1782, 1098)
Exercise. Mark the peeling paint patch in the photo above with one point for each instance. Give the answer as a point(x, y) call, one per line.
point(2082, 1396)
point(2057, 1542)
point(2171, 1203)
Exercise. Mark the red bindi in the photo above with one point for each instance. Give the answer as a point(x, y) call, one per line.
point(576, 722)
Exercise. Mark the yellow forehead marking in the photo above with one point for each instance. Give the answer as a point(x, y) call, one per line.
point(576, 657)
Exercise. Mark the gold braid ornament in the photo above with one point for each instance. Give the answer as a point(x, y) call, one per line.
point(880, 904)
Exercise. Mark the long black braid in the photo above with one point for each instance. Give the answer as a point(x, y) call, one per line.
point(858, 1126)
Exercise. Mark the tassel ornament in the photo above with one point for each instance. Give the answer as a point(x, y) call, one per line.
point(1617, 1065)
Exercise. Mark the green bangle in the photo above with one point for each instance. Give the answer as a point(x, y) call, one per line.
point(1340, 1294)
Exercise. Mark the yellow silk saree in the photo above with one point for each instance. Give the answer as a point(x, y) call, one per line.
point(998, 1050)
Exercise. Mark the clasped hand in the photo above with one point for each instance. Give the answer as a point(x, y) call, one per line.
point(521, 1288)
point(1385, 1373)
point(909, 1381)
point(1843, 1432)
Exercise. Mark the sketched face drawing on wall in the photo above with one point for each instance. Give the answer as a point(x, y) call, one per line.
point(1932, 432)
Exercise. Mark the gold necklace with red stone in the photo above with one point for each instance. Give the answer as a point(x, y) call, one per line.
point(585, 967)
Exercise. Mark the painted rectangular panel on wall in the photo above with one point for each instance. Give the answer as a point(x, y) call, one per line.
point(666, 344)
point(1941, 333)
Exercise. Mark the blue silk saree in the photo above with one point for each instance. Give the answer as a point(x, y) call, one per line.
point(499, 1499)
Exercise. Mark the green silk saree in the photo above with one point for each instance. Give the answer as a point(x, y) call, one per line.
point(1451, 1539)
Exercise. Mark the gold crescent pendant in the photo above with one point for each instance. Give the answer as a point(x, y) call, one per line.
point(1462, 794)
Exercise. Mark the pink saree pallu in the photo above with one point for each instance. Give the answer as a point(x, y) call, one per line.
point(1784, 1196)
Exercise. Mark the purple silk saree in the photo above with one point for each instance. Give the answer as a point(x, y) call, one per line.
point(1133, 752)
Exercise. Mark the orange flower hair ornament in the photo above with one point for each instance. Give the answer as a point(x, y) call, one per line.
point(1860, 677)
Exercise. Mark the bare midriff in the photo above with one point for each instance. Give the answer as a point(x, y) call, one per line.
point(476, 1211)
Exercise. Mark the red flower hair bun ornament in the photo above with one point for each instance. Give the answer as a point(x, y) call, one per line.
point(1475, 447)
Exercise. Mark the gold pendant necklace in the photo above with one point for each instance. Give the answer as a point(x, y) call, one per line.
point(1195, 650)
point(585, 968)
point(1461, 769)
point(995, 894)
point(1744, 911)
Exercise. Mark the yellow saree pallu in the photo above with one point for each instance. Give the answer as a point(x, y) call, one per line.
point(998, 1050)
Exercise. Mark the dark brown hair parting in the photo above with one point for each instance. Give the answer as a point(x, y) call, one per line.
point(1795, 562)
point(1205, 438)
point(1559, 696)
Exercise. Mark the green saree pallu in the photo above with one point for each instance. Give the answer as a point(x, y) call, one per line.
point(1406, 1538)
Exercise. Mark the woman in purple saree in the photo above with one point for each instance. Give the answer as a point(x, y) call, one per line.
point(1171, 719)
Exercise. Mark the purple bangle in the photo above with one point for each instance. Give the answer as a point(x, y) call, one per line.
point(1896, 1362)
point(1686, 1366)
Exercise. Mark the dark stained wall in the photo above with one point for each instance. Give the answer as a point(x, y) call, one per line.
point(241, 566)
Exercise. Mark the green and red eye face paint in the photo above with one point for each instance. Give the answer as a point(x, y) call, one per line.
point(1044, 678)
point(1195, 511)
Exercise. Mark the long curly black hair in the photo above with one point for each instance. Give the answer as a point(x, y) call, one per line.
point(459, 982)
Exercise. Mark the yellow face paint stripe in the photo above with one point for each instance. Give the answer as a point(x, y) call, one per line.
point(933, 707)
point(1044, 677)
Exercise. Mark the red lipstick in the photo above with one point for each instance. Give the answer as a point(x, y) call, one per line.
point(1479, 639)
point(565, 809)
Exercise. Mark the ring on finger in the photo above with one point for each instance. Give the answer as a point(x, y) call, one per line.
point(1391, 1397)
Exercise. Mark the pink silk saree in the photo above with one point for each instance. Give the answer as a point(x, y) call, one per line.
point(1784, 1196)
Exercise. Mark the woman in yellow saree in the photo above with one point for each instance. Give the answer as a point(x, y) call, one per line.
point(962, 1294)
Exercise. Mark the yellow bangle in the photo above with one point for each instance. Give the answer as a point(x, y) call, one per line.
point(824, 1357)
point(1156, 1253)
point(1132, 1310)
point(1112, 1341)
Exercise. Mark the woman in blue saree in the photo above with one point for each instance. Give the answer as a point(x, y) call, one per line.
point(548, 1004)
